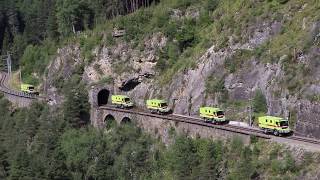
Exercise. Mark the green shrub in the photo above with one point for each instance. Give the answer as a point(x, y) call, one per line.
point(214, 84)
point(168, 57)
point(186, 35)
point(35, 60)
point(211, 5)
point(259, 102)
point(87, 44)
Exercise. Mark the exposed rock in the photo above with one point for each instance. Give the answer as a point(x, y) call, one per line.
point(61, 69)
point(132, 70)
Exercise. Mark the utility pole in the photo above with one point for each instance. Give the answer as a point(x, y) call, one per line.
point(20, 76)
point(9, 63)
point(250, 112)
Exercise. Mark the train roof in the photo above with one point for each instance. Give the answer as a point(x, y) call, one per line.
point(158, 100)
point(274, 118)
point(121, 96)
point(29, 85)
point(212, 108)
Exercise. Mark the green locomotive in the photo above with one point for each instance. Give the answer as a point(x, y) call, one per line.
point(275, 125)
point(121, 101)
point(213, 115)
point(157, 106)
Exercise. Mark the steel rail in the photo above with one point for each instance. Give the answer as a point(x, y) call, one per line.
point(186, 120)
point(198, 121)
point(4, 88)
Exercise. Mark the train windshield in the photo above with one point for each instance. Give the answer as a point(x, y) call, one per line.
point(163, 105)
point(220, 113)
point(126, 100)
point(31, 88)
point(284, 123)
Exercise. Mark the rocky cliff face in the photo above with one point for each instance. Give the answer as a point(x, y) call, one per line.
point(132, 69)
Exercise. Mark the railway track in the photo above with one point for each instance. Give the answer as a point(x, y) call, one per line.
point(5, 89)
point(172, 117)
point(189, 120)
point(227, 127)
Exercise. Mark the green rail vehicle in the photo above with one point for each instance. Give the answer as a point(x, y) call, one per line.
point(158, 106)
point(121, 101)
point(212, 115)
point(28, 88)
point(276, 125)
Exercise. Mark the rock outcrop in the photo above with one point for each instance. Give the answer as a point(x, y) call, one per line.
point(132, 69)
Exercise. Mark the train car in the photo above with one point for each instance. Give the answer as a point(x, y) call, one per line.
point(276, 125)
point(158, 106)
point(213, 115)
point(28, 88)
point(121, 101)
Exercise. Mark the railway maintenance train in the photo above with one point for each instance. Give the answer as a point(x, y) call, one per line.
point(269, 124)
point(121, 101)
point(29, 89)
point(276, 125)
point(159, 106)
point(213, 115)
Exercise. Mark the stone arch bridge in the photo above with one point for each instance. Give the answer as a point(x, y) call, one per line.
point(159, 125)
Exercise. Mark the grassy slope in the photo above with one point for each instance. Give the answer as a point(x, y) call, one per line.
point(190, 37)
point(214, 26)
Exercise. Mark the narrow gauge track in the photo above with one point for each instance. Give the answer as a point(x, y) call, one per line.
point(227, 127)
point(304, 139)
point(191, 120)
point(5, 89)
point(258, 131)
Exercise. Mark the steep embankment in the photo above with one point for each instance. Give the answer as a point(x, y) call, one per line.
point(194, 53)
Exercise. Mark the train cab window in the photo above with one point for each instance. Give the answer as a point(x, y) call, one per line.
point(219, 113)
point(266, 120)
point(163, 104)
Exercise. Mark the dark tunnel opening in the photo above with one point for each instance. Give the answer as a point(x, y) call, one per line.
point(103, 97)
point(129, 85)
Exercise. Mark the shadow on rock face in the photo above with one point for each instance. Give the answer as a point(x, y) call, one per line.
point(129, 85)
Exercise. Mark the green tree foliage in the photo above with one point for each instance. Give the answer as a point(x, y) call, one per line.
point(38, 143)
point(73, 16)
point(76, 105)
point(259, 102)
point(25, 23)
point(35, 59)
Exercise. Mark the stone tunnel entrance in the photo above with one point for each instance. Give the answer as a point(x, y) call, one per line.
point(103, 97)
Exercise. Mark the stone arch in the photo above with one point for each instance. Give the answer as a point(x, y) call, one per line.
point(125, 120)
point(109, 121)
point(102, 97)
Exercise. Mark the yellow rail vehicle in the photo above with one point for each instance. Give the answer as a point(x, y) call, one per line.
point(157, 106)
point(213, 115)
point(275, 125)
point(28, 88)
point(121, 101)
